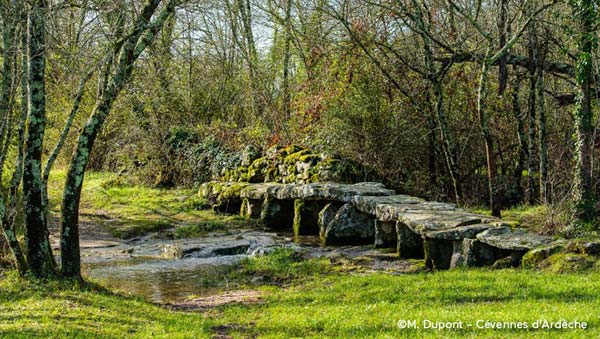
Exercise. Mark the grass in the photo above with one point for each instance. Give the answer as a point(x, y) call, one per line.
point(538, 218)
point(326, 306)
point(281, 266)
point(132, 210)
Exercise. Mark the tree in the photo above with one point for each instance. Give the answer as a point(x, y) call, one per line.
point(39, 252)
point(585, 13)
point(129, 50)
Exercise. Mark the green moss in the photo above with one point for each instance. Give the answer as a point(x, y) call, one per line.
point(567, 263)
point(294, 157)
point(533, 258)
point(271, 174)
point(257, 170)
point(291, 149)
point(231, 190)
point(312, 159)
point(246, 209)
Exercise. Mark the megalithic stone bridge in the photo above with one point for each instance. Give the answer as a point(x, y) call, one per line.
point(368, 213)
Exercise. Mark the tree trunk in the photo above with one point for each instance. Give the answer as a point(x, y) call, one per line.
point(583, 197)
point(286, 61)
point(10, 209)
point(7, 86)
point(531, 108)
point(447, 140)
point(487, 138)
point(61, 140)
point(517, 189)
point(143, 34)
point(502, 33)
point(542, 134)
point(39, 253)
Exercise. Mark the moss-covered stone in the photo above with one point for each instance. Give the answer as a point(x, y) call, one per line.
point(292, 158)
point(409, 244)
point(567, 263)
point(437, 253)
point(291, 149)
point(350, 227)
point(326, 215)
point(277, 214)
point(257, 170)
point(533, 258)
point(478, 254)
point(250, 208)
point(292, 164)
point(306, 217)
point(224, 197)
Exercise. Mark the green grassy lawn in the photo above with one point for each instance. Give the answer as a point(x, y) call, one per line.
point(130, 210)
point(329, 306)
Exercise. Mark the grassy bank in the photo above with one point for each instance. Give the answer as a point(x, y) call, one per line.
point(128, 210)
point(333, 306)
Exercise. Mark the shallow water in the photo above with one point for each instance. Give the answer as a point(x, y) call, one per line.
point(172, 271)
point(143, 267)
point(167, 280)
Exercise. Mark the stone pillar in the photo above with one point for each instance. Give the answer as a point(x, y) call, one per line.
point(438, 253)
point(478, 254)
point(229, 206)
point(277, 214)
point(410, 244)
point(306, 217)
point(385, 234)
point(250, 208)
point(326, 215)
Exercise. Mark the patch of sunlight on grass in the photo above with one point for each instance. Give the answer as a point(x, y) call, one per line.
point(132, 210)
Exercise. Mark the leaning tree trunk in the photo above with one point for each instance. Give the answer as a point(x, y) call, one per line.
point(542, 134)
point(583, 197)
point(9, 55)
point(517, 189)
point(487, 137)
point(39, 253)
point(532, 46)
point(502, 33)
point(8, 219)
point(61, 140)
point(286, 62)
point(447, 140)
point(143, 34)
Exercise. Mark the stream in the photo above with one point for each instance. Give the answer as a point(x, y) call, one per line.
point(172, 271)
point(166, 270)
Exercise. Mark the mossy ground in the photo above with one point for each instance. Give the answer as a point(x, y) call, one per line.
point(128, 210)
